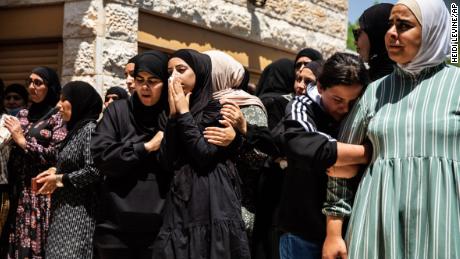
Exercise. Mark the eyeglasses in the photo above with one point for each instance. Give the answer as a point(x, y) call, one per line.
point(150, 82)
point(36, 82)
point(13, 96)
point(356, 33)
point(299, 64)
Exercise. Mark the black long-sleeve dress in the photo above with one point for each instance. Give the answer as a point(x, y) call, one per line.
point(133, 192)
point(203, 209)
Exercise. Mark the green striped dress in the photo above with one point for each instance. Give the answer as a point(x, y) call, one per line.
point(408, 202)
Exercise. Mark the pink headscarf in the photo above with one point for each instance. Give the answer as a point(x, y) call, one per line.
point(227, 75)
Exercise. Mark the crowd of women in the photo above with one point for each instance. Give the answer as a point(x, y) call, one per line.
point(192, 162)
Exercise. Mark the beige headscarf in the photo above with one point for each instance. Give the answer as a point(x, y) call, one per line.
point(227, 75)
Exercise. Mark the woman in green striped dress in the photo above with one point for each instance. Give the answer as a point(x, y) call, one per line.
point(408, 201)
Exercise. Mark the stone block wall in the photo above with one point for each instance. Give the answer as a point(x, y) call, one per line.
point(98, 40)
point(99, 36)
point(287, 24)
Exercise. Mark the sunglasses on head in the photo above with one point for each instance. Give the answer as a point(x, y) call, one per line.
point(299, 64)
point(36, 82)
point(356, 33)
point(13, 96)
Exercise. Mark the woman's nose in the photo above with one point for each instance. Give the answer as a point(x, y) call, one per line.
point(392, 32)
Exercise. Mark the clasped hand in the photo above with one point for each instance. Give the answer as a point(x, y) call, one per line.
point(48, 179)
point(232, 118)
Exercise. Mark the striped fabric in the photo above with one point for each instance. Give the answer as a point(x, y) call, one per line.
point(408, 202)
point(299, 113)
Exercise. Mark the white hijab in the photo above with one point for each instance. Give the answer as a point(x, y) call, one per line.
point(435, 21)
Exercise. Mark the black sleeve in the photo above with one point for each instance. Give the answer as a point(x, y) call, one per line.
point(275, 107)
point(200, 151)
point(302, 141)
point(111, 155)
point(88, 173)
point(168, 152)
point(162, 121)
point(260, 138)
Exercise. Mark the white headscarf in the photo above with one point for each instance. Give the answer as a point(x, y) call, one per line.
point(227, 76)
point(435, 21)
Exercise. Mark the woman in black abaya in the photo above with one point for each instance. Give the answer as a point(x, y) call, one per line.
point(124, 147)
point(203, 210)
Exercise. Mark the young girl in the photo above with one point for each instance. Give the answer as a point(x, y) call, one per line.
point(202, 217)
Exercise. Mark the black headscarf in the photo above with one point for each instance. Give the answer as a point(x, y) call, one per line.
point(40, 110)
point(313, 54)
point(315, 67)
point(374, 21)
point(146, 117)
point(201, 66)
point(278, 77)
point(133, 59)
point(120, 92)
point(19, 89)
point(86, 103)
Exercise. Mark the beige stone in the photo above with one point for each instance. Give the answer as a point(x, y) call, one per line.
point(340, 5)
point(279, 7)
point(83, 19)
point(99, 36)
point(281, 23)
point(78, 57)
point(121, 22)
point(230, 19)
point(115, 55)
point(109, 81)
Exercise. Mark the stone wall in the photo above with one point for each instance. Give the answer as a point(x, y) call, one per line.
point(100, 36)
point(287, 24)
point(98, 40)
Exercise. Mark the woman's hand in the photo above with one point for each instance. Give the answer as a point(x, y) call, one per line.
point(49, 181)
point(14, 127)
point(172, 104)
point(154, 143)
point(220, 136)
point(348, 171)
point(232, 113)
point(334, 246)
point(181, 100)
